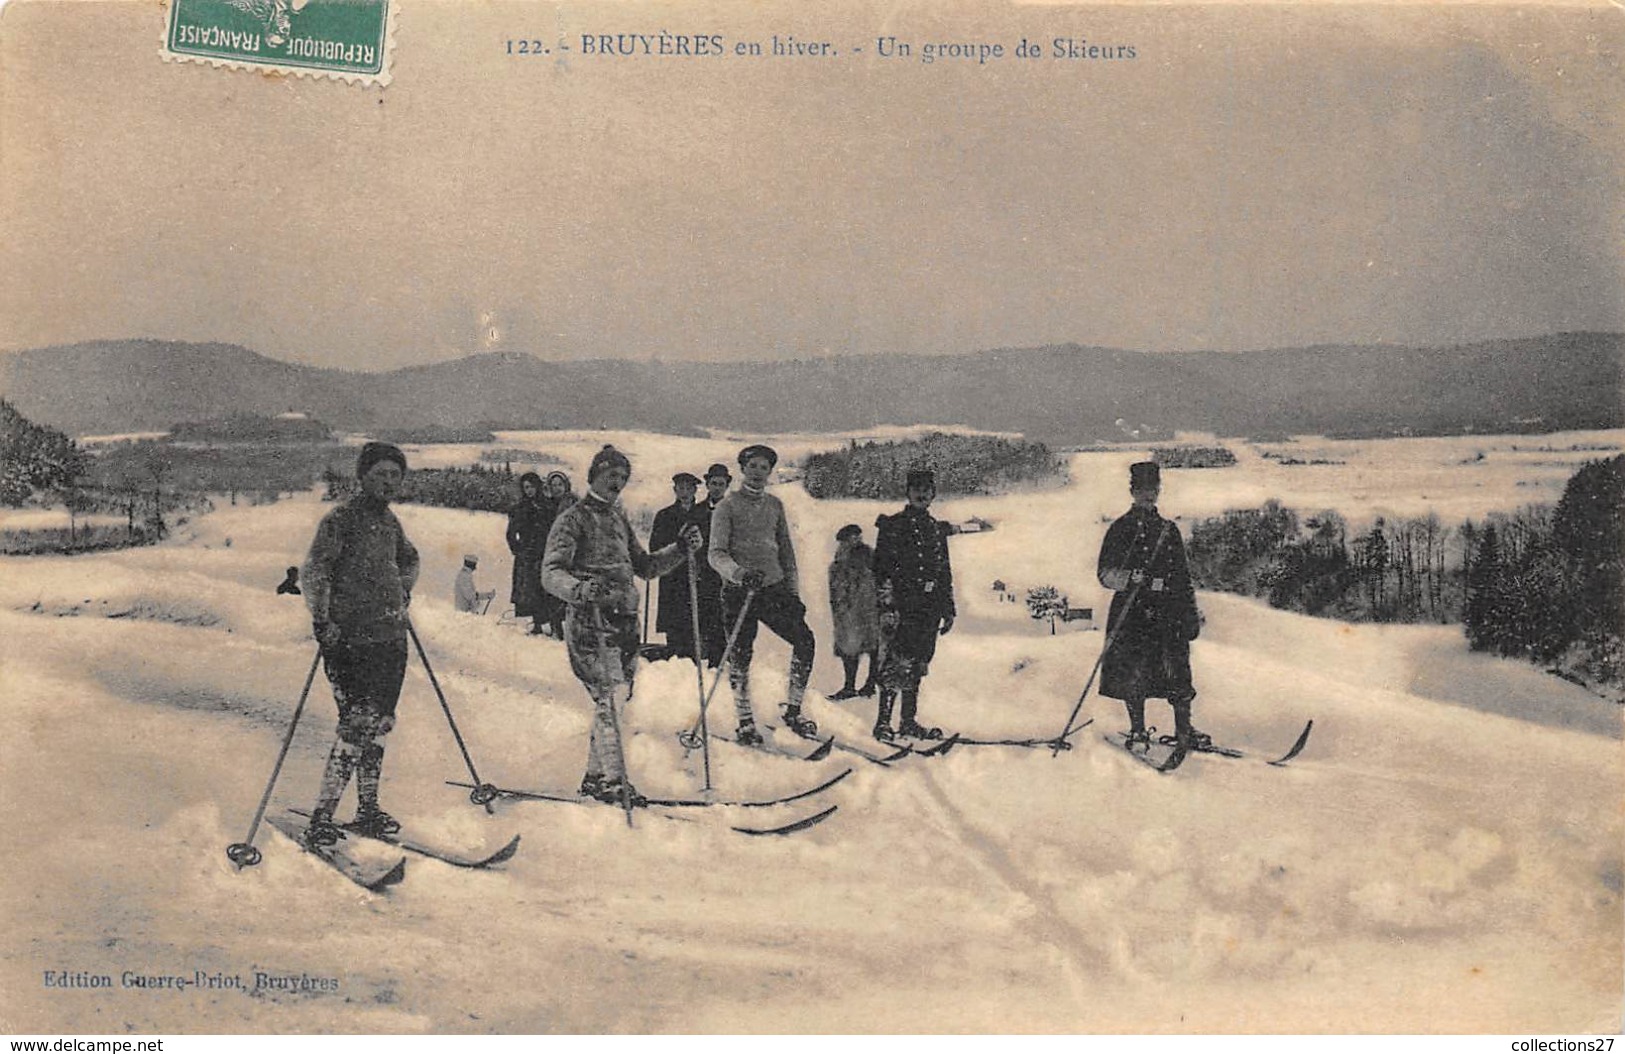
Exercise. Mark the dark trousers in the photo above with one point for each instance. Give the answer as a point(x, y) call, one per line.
point(366, 679)
point(713, 628)
point(782, 612)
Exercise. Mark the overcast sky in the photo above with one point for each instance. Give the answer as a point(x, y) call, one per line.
point(1250, 179)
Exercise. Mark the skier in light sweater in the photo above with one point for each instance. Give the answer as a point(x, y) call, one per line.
point(751, 549)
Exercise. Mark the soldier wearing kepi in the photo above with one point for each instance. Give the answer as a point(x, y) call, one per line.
point(914, 585)
point(592, 554)
point(751, 549)
point(1153, 615)
point(358, 577)
point(676, 617)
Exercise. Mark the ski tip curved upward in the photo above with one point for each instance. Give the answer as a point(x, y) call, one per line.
point(390, 877)
point(795, 825)
point(823, 750)
point(505, 853)
point(1297, 748)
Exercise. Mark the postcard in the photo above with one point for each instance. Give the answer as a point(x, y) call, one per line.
point(811, 518)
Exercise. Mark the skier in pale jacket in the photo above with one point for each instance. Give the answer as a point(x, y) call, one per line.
point(592, 555)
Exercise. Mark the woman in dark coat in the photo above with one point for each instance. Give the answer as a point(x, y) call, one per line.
point(528, 525)
point(557, 491)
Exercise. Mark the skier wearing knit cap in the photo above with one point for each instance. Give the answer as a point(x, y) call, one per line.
point(751, 549)
point(358, 578)
point(591, 557)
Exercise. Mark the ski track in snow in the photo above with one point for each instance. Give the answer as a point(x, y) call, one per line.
point(1444, 856)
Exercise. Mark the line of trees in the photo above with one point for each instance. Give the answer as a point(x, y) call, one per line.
point(33, 458)
point(1550, 586)
point(1193, 457)
point(477, 488)
point(152, 482)
point(962, 464)
point(1542, 583)
point(1397, 570)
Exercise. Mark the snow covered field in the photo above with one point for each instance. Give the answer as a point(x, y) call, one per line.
point(1444, 857)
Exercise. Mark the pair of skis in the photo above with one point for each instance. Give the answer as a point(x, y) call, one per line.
point(791, 827)
point(375, 874)
point(1176, 756)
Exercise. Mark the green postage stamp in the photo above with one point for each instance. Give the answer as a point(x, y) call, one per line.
point(343, 39)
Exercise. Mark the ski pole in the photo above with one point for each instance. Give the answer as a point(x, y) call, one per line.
point(699, 669)
point(1111, 638)
point(645, 641)
point(609, 679)
point(483, 793)
point(690, 739)
point(243, 853)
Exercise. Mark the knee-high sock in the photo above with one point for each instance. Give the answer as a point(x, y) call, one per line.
point(800, 672)
point(341, 761)
point(368, 768)
point(739, 681)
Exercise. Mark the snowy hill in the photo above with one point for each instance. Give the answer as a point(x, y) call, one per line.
point(1445, 856)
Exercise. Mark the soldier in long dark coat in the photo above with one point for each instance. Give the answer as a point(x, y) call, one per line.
point(675, 618)
point(713, 627)
point(528, 524)
point(1153, 614)
point(914, 585)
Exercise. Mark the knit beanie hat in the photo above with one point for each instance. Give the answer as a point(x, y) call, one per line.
point(607, 458)
point(372, 453)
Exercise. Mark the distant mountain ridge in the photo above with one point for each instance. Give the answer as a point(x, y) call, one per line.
point(1064, 395)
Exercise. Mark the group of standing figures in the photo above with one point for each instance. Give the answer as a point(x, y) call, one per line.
point(540, 502)
point(575, 566)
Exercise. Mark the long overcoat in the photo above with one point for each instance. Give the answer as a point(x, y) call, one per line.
point(1150, 627)
point(528, 524)
point(674, 614)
